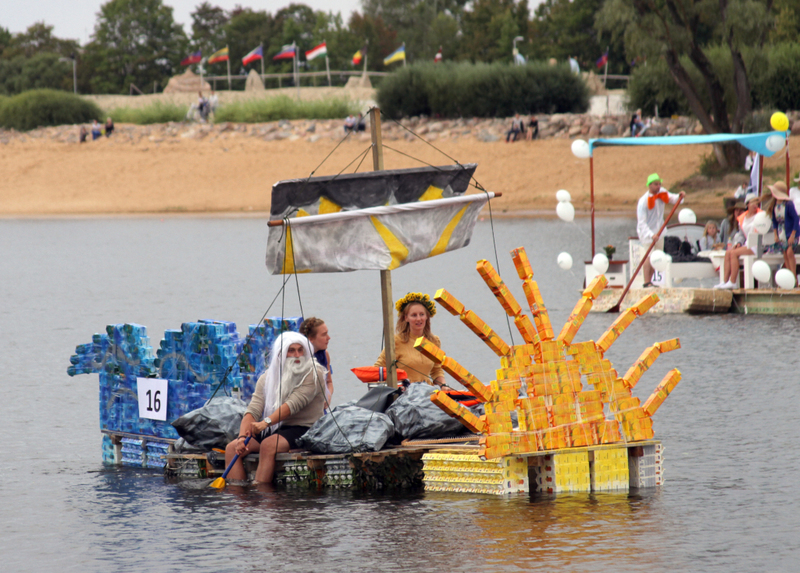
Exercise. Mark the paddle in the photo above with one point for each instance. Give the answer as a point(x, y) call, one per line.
point(615, 308)
point(219, 483)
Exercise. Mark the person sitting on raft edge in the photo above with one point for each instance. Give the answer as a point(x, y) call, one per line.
point(288, 399)
point(414, 312)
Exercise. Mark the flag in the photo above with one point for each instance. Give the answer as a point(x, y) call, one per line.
point(358, 57)
point(257, 54)
point(602, 60)
point(194, 58)
point(286, 53)
point(438, 57)
point(396, 56)
point(320, 50)
point(219, 56)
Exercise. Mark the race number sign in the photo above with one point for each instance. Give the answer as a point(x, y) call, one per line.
point(152, 398)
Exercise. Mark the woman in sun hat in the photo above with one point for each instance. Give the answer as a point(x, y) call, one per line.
point(785, 224)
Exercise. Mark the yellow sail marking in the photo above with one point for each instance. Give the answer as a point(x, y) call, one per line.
point(431, 193)
point(397, 249)
point(444, 239)
point(326, 206)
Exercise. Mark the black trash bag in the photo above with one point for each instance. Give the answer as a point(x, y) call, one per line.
point(213, 425)
point(378, 399)
point(416, 417)
point(348, 429)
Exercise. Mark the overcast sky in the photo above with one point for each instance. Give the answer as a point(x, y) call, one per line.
point(75, 19)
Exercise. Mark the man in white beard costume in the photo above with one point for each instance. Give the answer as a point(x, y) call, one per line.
point(289, 397)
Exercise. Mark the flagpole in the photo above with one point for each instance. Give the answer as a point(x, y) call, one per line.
point(366, 45)
point(296, 73)
point(327, 63)
point(228, 61)
point(605, 78)
point(262, 62)
point(405, 59)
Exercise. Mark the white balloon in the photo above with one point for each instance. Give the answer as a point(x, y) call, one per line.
point(563, 196)
point(565, 261)
point(774, 142)
point(785, 279)
point(580, 149)
point(761, 223)
point(761, 271)
point(600, 263)
point(687, 217)
point(565, 211)
point(659, 260)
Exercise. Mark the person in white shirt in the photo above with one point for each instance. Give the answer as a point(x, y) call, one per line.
point(650, 217)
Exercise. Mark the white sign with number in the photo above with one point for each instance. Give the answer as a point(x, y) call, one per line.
point(152, 398)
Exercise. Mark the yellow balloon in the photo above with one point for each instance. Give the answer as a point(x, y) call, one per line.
point(779, 121)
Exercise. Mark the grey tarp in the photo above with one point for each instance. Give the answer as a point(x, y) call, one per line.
point(348, 429)
point(213, 425)
point(416, 417)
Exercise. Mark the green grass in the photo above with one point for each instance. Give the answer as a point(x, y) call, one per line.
point(158, 112)
point(284, 107)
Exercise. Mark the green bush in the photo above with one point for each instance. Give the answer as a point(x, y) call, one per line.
point(481, 90)
point(779, 87)
point(283, 107)
point(158, 112)
point(40, 108)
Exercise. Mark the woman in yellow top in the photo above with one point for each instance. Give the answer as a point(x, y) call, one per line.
point(414, 312)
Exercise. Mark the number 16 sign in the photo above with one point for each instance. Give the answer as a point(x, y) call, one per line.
point(152, 398)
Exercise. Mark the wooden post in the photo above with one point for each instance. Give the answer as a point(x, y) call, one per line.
point(387, 302)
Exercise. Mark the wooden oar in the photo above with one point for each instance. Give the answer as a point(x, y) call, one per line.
point(615, 308)
point(219, 483)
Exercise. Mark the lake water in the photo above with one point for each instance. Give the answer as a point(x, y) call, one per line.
point(730, 429)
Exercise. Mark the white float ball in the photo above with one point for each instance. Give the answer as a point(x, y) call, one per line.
point(580, 149)
point(785, 279)
point(565, 211)
point(565, 261)
point(774, 142)
point(761, 271)
point(761, 223)
point(600, 263)
point(563, 196)
point(659, 260)
point(687, 217)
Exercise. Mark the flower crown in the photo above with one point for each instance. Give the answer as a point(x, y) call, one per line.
point(418, 297)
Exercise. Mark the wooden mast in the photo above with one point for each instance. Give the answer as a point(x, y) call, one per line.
point(387, 301)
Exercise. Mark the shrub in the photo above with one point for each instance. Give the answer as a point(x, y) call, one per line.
point(39, 108)
point(158, 112)
point(779, 88)
point(283, 107)
point(481, 90)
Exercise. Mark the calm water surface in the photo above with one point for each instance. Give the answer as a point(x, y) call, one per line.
point(730, 501)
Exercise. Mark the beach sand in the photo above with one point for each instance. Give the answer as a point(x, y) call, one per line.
point(235, 174)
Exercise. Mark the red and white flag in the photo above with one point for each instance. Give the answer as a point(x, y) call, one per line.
point(438, 57)
point(320, 50)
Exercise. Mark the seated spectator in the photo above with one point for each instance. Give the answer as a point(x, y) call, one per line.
point(95, 129)
point(729, 225)
point(109, 127)
point(785, 224)
point(349, 123)
point(360, 125)
point(517, 128)
point(82, 134)
point(637, 127)
point(710, 237)
point(533, 128)
point(730, 270)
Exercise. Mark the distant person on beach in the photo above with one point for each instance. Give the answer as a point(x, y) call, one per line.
point(533, 128)
point(96, 129)
point(349, 123)
point(109, 127)
point(82, 134)
point(650, 217)
point(517, 128)
point(202, 106)
point(288, 399)
point(637, 127)
point(213, 103)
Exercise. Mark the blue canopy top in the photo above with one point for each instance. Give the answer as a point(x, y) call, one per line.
point(753, 141)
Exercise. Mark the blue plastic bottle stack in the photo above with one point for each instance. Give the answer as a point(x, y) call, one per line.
point(155, 451)
point(194, 360)
point(108, 450)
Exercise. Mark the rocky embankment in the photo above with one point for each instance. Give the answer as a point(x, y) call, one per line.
point(558, 126)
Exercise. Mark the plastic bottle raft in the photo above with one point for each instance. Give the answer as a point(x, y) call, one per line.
point(193, 360)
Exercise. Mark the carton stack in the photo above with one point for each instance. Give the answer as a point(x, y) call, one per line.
point(456, 472)
point(561, 472)
point(609, 469)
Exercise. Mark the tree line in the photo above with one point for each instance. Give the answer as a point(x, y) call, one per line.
point(138, 42)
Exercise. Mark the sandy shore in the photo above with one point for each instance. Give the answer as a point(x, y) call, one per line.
point(233, 173)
